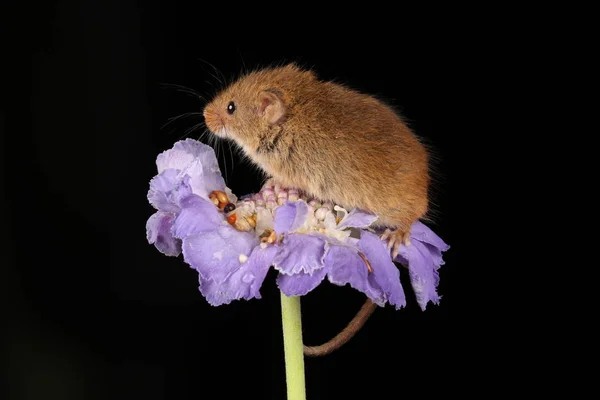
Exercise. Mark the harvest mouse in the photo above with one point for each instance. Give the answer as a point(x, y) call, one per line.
point(331, 142)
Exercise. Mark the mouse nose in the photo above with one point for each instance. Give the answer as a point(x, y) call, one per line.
point(213, 120)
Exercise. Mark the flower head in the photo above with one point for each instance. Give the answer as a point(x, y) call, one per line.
point(233, 242)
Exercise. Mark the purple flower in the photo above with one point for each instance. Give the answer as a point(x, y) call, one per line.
point(304, 240)
point(342, 261)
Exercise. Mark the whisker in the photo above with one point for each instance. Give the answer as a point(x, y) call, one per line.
point(192, 129)
point(212, 140)
point(184, 89)
point(231, 155)
point(215, 69)
point(224, 163)
point(244, 68)
point(178, 117)
point(171, 131)
point(217, 149)
point(203, 136)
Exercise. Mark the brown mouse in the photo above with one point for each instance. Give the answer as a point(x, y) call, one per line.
point(332, 142)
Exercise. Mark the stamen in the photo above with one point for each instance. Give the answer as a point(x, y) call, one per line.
point(251, 221)
point(272, 237)
point(228, 208)
point(222, 196)
point(232, 219)
point(219, 199)
point(213, 198)
point(369, 268)
point(266, 236)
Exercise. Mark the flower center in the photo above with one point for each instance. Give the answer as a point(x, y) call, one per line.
point(257, 213)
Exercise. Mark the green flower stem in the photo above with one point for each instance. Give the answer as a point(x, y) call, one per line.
point(293, 347)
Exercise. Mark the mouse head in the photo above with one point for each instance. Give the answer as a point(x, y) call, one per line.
point(255, 104)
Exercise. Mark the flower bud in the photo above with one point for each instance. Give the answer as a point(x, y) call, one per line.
point(282, 197)
point(321, 213)
point(293, 194)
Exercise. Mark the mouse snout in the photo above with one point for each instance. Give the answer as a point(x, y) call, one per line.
point(213, 120)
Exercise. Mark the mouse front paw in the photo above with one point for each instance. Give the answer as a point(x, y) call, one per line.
point(279, 193)
point(395, 238)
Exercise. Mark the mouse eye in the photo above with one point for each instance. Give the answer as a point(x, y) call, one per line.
point(231, 107)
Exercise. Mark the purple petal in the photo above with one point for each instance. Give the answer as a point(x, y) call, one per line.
point(357, 219)
point(434, 245)
point(182, 154)
point(423, 233)
point(257, 266)
point(385, 273)
point(244, 282)
point(301, 283)
point(300, 253)
point(432, 252)
point(216, 254)
point(205, 177)
point(166, 190)
point(197, 215)
point(423, 270)
point(346, 266)
point(197, 160)
point(158, 232)
point(290, 216)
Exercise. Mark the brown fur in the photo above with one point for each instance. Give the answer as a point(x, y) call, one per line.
point(332, 142)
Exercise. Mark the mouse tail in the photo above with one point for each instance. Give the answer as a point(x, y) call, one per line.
point(345, 335)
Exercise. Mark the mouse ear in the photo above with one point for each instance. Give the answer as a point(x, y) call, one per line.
point(271, 107)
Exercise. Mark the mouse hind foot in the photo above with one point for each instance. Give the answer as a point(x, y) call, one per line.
point(395, 238)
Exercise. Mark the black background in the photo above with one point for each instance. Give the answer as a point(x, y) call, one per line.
point(97, 312)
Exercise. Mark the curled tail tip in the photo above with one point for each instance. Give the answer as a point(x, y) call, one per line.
point(345, 335)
